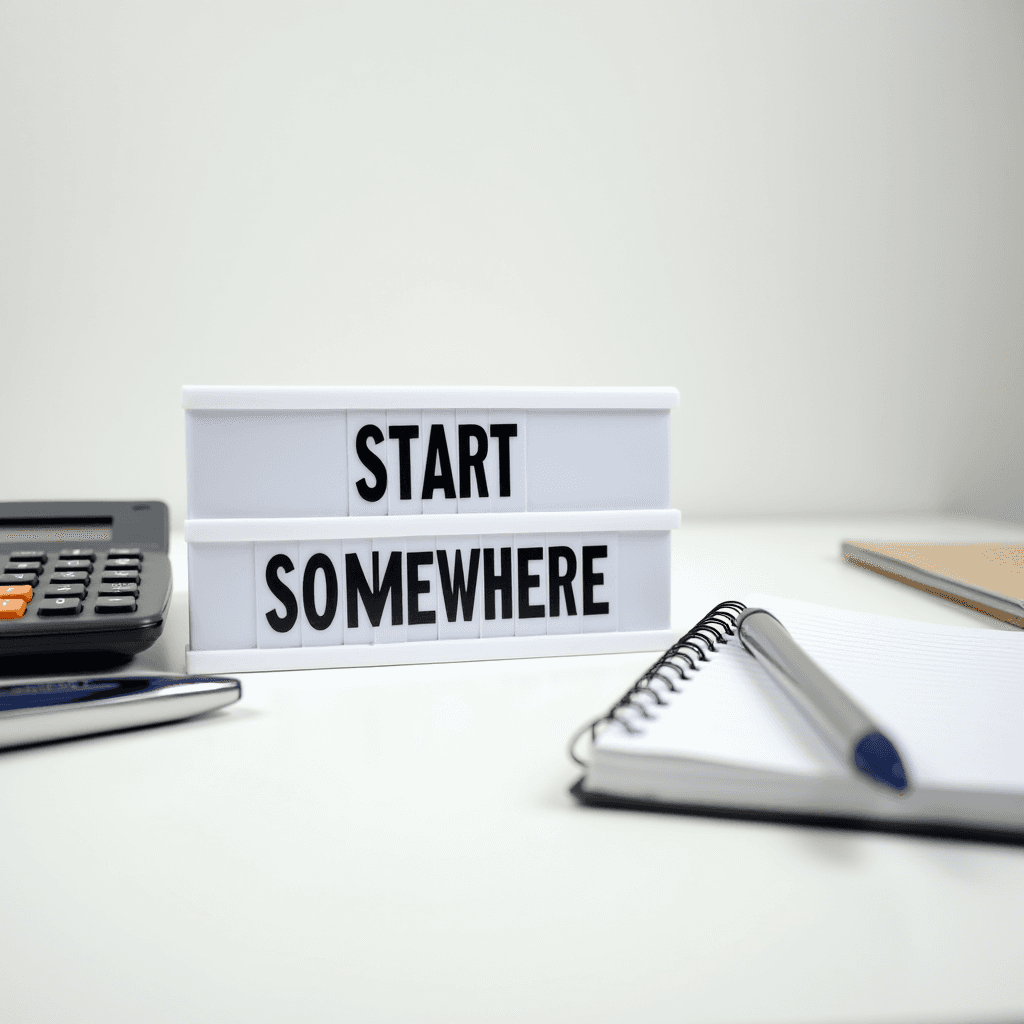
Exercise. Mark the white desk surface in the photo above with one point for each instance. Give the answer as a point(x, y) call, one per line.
point(398, 844)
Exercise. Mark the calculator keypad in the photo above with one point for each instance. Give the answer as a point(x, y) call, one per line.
point(73, 565)
point(122, 563)
point(119, 576)
point(70, 577)
point(11, 608)
point(117, 589)
point(125, 553)
point(109, 605)
point(29, 579)
point(67, 582)
point(35, 567)
point(60, 606)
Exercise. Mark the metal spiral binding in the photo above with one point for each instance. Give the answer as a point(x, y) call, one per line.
point(692, 648)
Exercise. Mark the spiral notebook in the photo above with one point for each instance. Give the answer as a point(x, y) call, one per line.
point(705, 731)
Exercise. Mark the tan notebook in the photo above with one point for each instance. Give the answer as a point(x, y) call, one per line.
point(986, 577)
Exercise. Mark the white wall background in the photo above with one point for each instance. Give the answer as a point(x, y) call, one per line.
point(807, 217)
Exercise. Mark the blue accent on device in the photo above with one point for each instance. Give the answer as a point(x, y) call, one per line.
point(876, 756)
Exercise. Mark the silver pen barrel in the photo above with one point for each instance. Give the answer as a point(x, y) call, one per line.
point(43, 710)
point(835, 717)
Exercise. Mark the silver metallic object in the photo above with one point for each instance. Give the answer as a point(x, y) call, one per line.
point(843, 726)
point(39, 711)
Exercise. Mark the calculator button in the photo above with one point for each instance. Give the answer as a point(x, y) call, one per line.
point(108, 605)
point(60, 606)
point(11, 608)
point(123, 553)
point(27, 556)
point(116, 589)
point(69, 577)
point(65, 590)
point(27, 578)
point(73, 565)
point(122, 563)
point(120, 576)
point(35, 567)
point(78, 553)
point(21, 593)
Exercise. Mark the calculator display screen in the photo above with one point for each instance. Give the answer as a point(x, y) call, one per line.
point(60, 531)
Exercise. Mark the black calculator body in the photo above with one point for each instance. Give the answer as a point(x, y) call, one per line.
point(83, 577)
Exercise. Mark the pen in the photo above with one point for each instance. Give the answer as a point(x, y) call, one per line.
point(835, 717)
point(39, 711)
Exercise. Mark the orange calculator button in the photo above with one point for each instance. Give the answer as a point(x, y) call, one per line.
point(11, 608)
point(17, 593)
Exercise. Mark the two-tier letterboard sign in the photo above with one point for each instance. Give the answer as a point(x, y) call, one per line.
point(381, 526)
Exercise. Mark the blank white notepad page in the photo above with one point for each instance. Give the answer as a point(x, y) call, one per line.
point(952, 700)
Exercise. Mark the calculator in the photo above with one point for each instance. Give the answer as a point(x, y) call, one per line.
point(83, 577)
